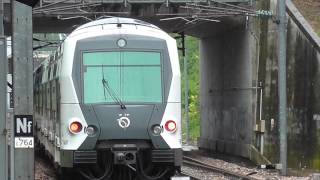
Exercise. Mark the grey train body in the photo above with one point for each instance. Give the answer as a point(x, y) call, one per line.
point(111, 90)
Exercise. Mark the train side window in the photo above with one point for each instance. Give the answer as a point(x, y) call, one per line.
point(43, 99)
point(49, 73)
point(56, 55)
point(39, 99)
point(58, 100)
point(55, 70)
point(48, 98)
point(51, 58)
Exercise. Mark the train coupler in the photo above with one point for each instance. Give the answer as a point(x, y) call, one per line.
point(124, 153)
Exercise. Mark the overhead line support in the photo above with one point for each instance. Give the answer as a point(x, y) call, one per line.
point(282, 83)
point(22, 147)
point(3, 97)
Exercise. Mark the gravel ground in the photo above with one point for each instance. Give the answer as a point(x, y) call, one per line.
point(202, 174)
point(44, 170)
point(244, 168)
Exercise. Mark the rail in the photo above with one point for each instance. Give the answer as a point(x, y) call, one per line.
point(232, 175)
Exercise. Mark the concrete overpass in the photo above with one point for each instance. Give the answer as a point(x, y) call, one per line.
point(65, 15)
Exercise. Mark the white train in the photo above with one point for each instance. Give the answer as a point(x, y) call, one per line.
point(108, 101)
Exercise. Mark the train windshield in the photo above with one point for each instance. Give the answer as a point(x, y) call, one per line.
point(125, 76)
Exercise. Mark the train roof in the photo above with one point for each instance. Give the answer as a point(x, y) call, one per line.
point(117, 20)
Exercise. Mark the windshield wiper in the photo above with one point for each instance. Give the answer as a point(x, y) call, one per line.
point(112, 94)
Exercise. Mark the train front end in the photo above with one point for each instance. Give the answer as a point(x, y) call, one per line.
point(124, 112)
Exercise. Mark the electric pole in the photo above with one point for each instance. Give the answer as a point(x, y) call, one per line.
point(282, 83)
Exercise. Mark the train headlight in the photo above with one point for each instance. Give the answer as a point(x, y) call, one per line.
point(156, 130)
point(90, 130)
point(121, 43)
point(171, 126)
point(75, 127)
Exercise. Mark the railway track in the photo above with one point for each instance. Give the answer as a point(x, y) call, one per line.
point(192, 177)
point(229, 174)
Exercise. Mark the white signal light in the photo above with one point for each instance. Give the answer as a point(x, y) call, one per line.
point(90, 130)
point(156, 130)
point(171, 126)
point(121, 43)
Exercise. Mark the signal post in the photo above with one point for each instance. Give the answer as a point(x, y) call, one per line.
point(22, 146)
point(3, 97)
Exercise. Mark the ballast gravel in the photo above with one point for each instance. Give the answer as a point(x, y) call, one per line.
point(235, 166)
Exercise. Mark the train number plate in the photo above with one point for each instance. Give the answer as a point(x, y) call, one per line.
point(24, 142)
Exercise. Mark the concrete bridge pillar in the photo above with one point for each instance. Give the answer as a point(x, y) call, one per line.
point(227, 93)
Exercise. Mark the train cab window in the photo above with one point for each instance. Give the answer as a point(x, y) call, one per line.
point(134, 77)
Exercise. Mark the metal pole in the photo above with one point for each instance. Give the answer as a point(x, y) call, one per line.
point(282, 86)
point(1, 18)
point(23, 92)
point(3, 108)
point(3, 99)
point(260, 118)
point(186, 94)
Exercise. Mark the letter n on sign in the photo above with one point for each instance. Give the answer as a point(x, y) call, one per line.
point(23, 125)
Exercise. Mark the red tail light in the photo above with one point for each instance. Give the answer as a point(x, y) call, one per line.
point(75, 127)
point(171, 126)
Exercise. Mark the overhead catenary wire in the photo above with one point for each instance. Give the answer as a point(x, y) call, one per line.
point(63, 6)
point(218, 8)
point(173, 18)
point(231, 5)
point(67, 7)
point(187, 26)
point(86, 13)
point(74, 17)
point(201, 15)
point(46, 41)
point(215, 9)
point(58, 11)
point(197, 13)
point(51, 4)
point(221, 13)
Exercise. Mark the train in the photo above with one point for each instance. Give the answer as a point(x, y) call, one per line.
point(107, 102)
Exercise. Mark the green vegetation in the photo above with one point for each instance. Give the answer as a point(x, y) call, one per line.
point(192, 45)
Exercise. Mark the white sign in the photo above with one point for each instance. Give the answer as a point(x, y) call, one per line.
point(24, 142)
point(23, 126)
